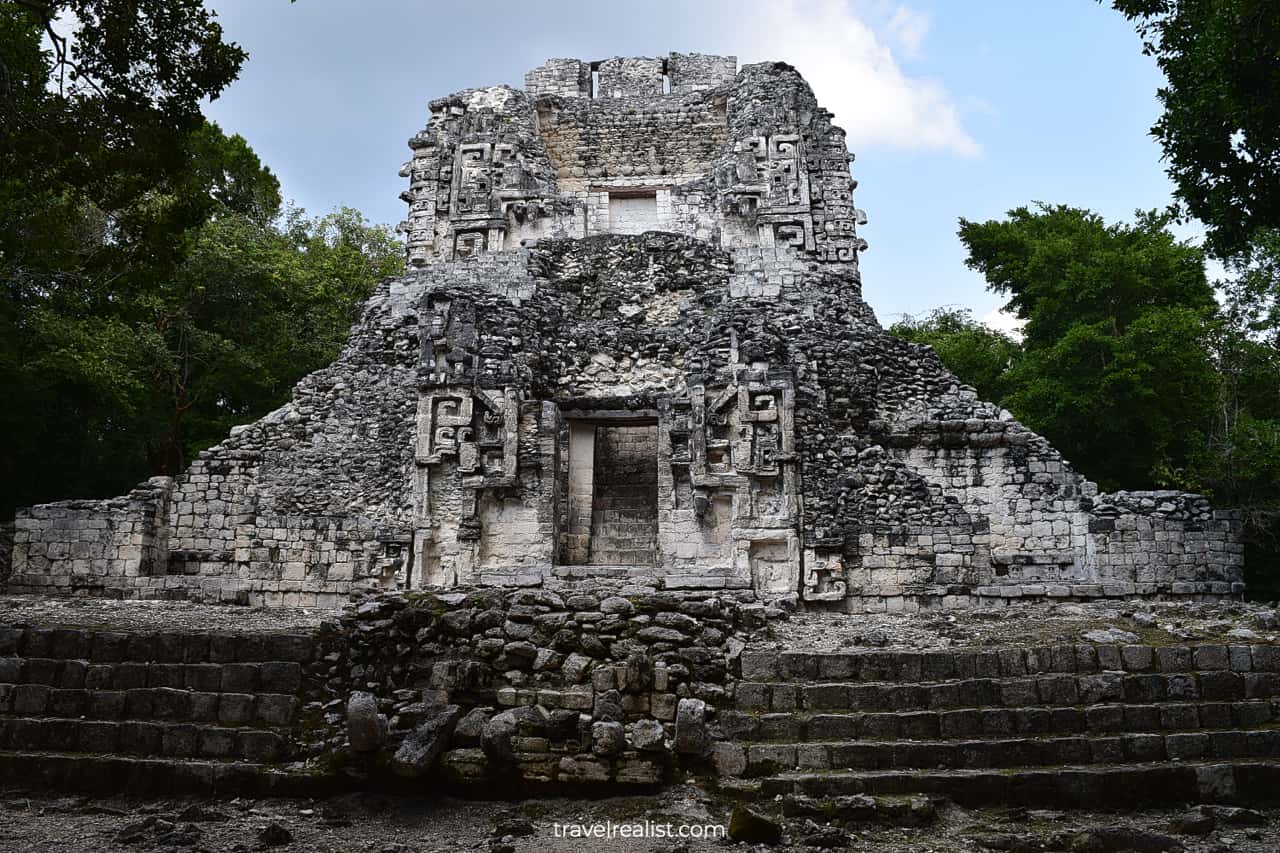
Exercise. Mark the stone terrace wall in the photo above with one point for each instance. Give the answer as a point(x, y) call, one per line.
point(601, 685)
point(609, 686)
point(101, 547)
point(1071, 724)
point(1167, 539)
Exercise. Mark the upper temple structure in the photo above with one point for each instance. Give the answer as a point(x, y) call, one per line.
point(631, 344)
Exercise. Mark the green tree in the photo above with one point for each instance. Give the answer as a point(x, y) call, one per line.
point(107, 392)
point(252, 310)
point(105, 163)
point(151, 295)
point(1220, 129)
point(1115, 367)
point(100, 120)
point(979, 355)
point(1239, 464)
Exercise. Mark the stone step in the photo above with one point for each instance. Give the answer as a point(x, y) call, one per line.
point(147, 703)
point(77, 674)
point(998, 722)
point(765, 759)
point(624, 523)
point(623, 532)
point(639, 509)
point(161, 647)
point(1050, 690)
point(623, 547)
point(628, 557)
point(623, 543)
point(635, 494)
point(170, 740)
point(625, 515)
point(623, 556)
point(117, 774)
point(799, 665)
point(1115, 787)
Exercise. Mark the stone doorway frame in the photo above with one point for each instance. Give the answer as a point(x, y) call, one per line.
point(576, 474)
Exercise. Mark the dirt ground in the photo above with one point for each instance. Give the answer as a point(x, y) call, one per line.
point(381, 824)
point(1034, 623)
point(177, 616)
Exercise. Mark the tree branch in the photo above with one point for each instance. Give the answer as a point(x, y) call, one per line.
point(63, 60)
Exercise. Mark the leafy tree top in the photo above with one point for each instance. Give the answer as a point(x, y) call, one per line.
point(1221, 124)
point(1062, 266)
point(1115, 366)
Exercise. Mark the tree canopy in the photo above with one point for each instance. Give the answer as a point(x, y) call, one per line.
point(1115, 365)
point(1220, 129)
point(152, 291)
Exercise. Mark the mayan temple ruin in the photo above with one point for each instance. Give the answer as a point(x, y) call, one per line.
point(631, 344)
point(622, 489)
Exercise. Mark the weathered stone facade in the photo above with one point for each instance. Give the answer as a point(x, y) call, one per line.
point(662, 249)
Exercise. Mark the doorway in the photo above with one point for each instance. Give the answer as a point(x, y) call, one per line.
point(613, 495)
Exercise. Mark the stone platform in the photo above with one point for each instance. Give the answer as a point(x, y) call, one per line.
point(1082, 725)
point(609, 690)
point(153, 713)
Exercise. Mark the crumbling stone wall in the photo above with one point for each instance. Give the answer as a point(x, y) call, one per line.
point(93, 546)
point(595, 142)
point(568, 78)
point(595, 683)
point(695, 72)
point(800, 451)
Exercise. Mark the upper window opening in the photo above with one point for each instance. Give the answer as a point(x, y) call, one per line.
point(633, 211)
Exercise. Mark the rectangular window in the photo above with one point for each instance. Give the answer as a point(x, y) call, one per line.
point(633, 211)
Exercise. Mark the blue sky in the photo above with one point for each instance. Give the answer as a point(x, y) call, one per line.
point(952, 108)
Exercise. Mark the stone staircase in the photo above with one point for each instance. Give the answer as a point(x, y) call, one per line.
point(1076, 725)
point(151, 713)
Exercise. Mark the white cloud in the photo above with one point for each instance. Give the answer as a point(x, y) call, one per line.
point(854, 74)
point(908, 28)
point(1002, 321)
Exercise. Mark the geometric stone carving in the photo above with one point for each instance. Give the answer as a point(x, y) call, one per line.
point(476, 429)
point(741, 437)
point(824, 578)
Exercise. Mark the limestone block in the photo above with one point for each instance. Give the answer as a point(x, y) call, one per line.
point(366, 728)
point(692, 736)
point(419, 751)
